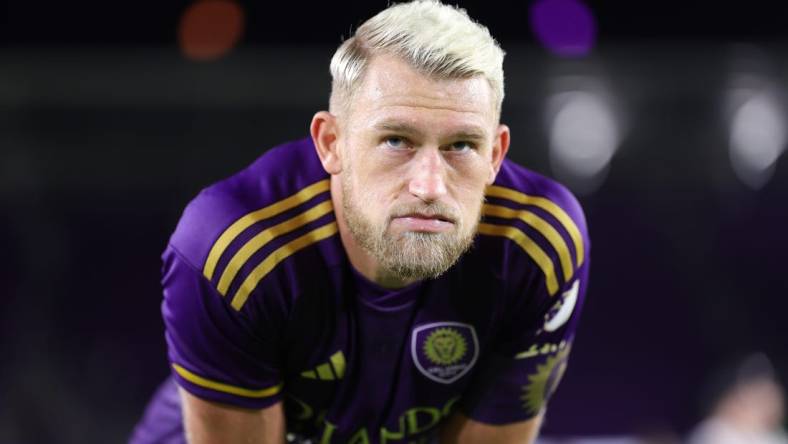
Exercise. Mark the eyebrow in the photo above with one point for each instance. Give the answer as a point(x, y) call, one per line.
point(466, 133)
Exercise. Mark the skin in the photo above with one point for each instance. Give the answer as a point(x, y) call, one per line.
point(411, 156)
point(208, 423)
point(415, 154)
point(756, 406)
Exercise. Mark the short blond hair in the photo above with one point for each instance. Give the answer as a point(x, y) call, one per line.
point(441, 41)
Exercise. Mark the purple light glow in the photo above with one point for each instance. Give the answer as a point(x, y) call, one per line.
point(565, 27)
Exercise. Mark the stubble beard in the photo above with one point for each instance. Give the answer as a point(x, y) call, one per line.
point(408, 256)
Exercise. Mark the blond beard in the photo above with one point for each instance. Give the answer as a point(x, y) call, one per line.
point(408, 256)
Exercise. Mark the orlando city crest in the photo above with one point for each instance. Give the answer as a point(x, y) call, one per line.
point(444, 351)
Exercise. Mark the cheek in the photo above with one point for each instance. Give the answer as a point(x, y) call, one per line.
point(469, 183)
point(370, 193)
point(381, 176)
point(470, 177)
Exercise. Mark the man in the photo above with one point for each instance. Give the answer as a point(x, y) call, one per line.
point(391, 279)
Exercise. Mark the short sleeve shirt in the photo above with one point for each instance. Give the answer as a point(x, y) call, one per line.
point(261, 305)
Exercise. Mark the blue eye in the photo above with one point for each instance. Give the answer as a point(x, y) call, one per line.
point(461, 146)
point(395, 142)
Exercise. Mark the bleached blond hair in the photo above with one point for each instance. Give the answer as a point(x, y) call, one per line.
point(440, 41)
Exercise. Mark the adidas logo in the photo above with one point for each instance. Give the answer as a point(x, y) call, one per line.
point(329, 371)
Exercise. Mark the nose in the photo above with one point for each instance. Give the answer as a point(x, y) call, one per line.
point(428, 180)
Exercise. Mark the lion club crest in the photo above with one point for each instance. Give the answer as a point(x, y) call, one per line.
point(444, 351)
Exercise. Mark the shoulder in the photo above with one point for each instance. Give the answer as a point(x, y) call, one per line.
point(530, 218)
point(238, 231)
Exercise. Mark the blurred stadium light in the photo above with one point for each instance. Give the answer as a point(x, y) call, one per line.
point(584, 134)
point(757, 135)
point(209, 29)
point(564, 27)
point(756, 116)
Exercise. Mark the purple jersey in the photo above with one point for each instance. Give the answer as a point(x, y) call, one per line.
point(261, 305)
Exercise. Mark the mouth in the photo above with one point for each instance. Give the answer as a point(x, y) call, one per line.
point(423, 222)
point(424, 216)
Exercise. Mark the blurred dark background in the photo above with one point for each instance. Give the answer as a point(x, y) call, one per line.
point(667, 119)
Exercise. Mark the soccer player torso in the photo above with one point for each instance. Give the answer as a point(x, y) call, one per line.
point(365, 364)
point(262, 306)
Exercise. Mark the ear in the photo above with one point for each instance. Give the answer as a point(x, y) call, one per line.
point(325, 133)
point(499, 149)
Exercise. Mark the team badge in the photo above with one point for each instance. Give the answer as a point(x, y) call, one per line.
point(444, 351)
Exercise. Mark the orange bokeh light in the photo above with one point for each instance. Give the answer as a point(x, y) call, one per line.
point(209, 29)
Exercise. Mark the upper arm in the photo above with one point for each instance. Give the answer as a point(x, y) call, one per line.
point(526, 364)
point(207, 422)
point(217, 353)
point(545, 270)
point(462, 430)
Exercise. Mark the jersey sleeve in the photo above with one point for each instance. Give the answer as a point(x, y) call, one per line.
point(546, 274)
point(229, 289)
point(218, 352)
point(215, 352)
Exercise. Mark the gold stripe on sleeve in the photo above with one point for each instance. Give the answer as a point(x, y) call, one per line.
point(547, 205)
point(534, 251)
point(225, 388)
point(540, 225)
point(256, 216)
point(266, 236)
point(277, 256)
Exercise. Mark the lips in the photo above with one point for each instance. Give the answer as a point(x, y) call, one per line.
point(428, 216)
point(428, 223)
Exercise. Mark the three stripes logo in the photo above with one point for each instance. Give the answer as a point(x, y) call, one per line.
point(332, 370)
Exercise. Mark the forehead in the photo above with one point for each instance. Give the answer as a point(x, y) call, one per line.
point(391, 88)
